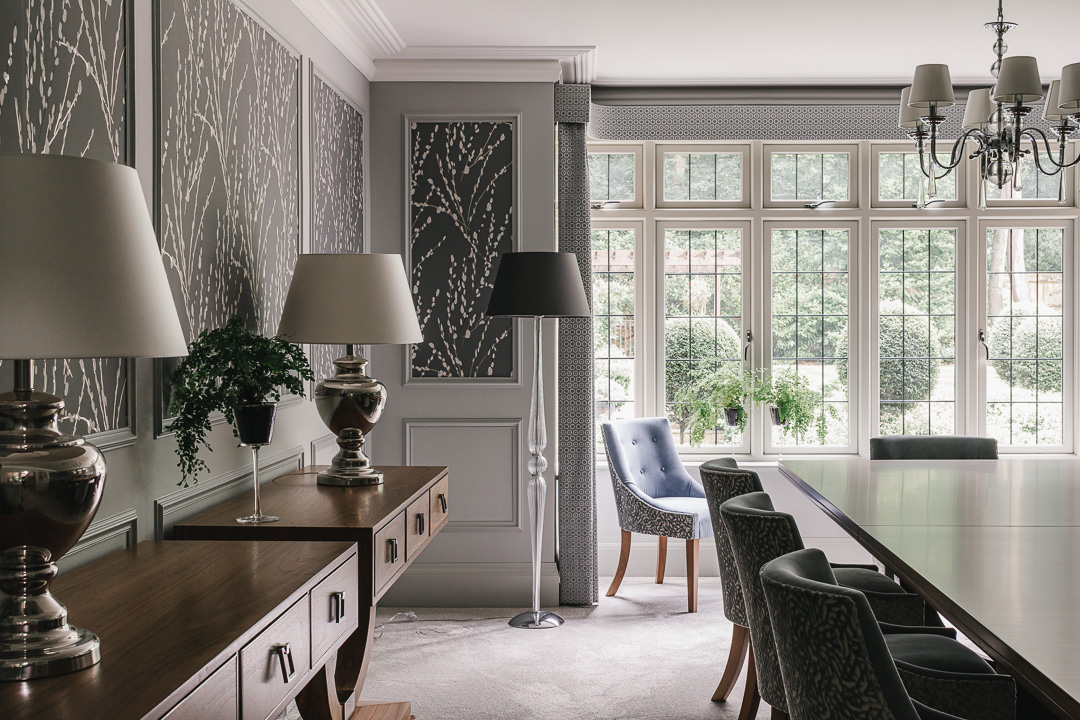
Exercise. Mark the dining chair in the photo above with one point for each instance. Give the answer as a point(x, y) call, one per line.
point(836, 661)
point(655, 495)
point(933, 670)
point(932, 447)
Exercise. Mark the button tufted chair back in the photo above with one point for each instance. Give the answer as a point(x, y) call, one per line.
point(643, 457)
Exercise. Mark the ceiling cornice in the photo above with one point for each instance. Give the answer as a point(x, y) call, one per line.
point(358, 28)
point(490, 63)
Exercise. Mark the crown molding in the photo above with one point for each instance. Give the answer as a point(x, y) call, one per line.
point(489, 63)
point(358, 28)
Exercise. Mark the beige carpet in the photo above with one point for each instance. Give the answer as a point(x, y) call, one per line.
point(638, 655)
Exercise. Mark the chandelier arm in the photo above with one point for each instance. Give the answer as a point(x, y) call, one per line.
point(1035, 134)
point(956, 156)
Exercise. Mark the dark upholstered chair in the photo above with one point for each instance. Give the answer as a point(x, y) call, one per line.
point(932, 447)
point(723, 479)
point(758, 534)
point(655, 495)
point(836, 663)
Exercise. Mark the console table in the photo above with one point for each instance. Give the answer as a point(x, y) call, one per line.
point(198, 630)
point(390, 523)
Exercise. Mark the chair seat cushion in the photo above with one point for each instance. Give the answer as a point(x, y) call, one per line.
point(935, 652)
point(866, 580)
point(696, 506)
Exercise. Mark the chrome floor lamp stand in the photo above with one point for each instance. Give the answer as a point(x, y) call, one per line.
point(536, 618)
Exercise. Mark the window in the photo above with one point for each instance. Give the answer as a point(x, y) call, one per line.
point(700, 176)
point(1037, 188)
point(797, 176)
point(896, 182)
point(614, 337)
point(615, 175)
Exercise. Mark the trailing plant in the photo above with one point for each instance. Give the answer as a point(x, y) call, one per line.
point(798, 407)
point(714, 388)
point(225, 368)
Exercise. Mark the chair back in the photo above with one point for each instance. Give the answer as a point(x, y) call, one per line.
point(643, 458)
point(933, 447)
point(758, 534)
point(833, 657)
point(723, 480)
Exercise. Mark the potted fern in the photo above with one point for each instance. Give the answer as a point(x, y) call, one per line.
point(240, 373)
point(792, 404)
point(716, 391)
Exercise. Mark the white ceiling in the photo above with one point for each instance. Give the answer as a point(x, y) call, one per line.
point(721, 42)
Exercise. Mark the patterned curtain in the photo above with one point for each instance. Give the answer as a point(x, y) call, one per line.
point(576, 482)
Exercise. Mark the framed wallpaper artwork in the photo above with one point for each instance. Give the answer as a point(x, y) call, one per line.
point(228, 171)
point(66, 90)
point(461, 197)
point(337, 188)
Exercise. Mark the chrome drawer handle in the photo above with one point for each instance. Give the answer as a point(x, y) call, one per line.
point(284, 654)
point(337, 606)
point(420, 523)
point(392, 542)
point(442, 501)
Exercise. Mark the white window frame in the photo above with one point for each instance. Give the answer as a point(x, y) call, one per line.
point(769, 149)
point(1068, 177)
point(876, 151)
point(638, 151)
point(710, 148)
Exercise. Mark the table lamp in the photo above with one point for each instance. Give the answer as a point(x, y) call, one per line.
point(350, 300)
point(538, 285)
point(82, 277)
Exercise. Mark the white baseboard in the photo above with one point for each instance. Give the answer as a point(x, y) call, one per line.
point(501, 585)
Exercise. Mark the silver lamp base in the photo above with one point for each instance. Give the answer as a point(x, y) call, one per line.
point(350, 403)
point(536, 620)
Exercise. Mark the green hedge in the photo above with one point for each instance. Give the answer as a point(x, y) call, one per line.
point(1023, 337)
point(902, 337)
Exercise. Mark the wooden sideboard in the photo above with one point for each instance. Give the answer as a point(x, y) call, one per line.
point(390, 523)
point(198, 630)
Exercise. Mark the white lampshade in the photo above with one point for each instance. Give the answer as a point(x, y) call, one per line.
point(1052, 112)
point(1069, 90)
point(350, 299)
point(1018, 80)
point(931, 84)
point(909, 116)
point(978, 110)
point(80, 268)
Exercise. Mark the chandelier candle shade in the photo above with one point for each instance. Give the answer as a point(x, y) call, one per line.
point(82, 277)
point(993, 120)
point(350, 300)
point(538, 285)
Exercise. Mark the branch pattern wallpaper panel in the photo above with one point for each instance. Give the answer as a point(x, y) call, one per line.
point(64, 91)
point(229, 145)
point(461, 190)
point(337, 189)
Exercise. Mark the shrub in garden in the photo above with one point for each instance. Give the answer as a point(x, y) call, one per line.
point(1023, 337)
point(902, 333)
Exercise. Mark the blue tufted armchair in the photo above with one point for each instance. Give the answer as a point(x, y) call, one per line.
point(655, 495)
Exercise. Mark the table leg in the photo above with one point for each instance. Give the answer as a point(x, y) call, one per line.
point(342, 677)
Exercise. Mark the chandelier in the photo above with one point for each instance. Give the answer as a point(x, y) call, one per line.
point(993, 120)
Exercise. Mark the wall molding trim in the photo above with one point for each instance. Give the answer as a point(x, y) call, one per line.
point(358, 28)
point(527, 63)
point(222, 487)
point(499, 585)
point(100, 532)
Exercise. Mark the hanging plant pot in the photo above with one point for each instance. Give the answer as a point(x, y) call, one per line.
point(255, 423)
point(775, 414)
point(732, 415)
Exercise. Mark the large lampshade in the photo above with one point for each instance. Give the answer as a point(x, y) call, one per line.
point(1018, 81)
point(978, 110)
point(1069, 90)
point(82, 272)
point(909, 116)
point(538, 284)
point(931, 84)
point(1052, 111)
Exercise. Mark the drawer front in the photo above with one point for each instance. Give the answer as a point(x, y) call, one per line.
point(389, 551)
point(333, 608)
point(417, 524)
point(440, 504)
point(263, 686)
point(214, 698)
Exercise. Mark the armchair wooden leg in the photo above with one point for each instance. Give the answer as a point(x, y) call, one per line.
point(751, 698)
point(624, 557)
point(661, 559)
point(693, 552)
point(740, 641)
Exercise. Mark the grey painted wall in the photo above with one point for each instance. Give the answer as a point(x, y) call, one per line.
point(478, 429)
point(141, 493)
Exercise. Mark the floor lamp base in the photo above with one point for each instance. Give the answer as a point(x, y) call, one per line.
point(536, 620)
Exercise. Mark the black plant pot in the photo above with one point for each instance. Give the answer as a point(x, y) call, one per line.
point(732, 415)
point(775, 413)
point(255, 423)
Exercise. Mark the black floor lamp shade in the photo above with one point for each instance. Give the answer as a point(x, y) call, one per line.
point(538, 284)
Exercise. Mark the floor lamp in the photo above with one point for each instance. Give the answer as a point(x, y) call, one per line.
point(538, 285)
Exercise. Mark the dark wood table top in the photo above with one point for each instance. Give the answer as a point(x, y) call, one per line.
point(309, 511)
point(993, 545)
point(168, 614)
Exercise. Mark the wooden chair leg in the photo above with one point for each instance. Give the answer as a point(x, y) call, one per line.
point(693, 553)
point(740, 640)
point(661, 559)
point(751, 699)
point(624, 557)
